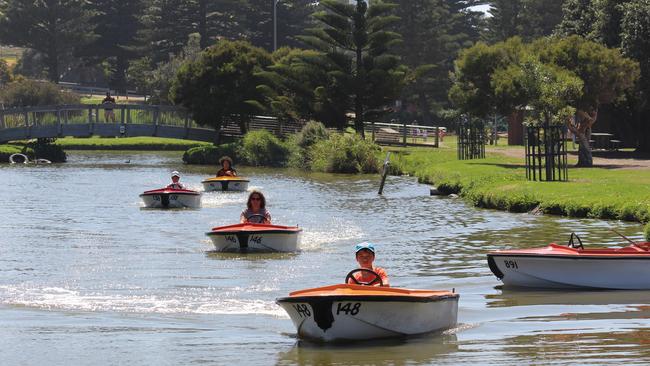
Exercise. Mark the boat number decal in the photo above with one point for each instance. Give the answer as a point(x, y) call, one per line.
point(511, 264)
point(255, 239)
point(173, 197)
point(303, 310)
point(231, 239)
point(348, 308)
point(156, 198)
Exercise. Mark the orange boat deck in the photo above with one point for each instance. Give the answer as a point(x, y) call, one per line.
point(359, 290)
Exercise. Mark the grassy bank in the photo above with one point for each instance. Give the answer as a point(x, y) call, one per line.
point(127, 143)
point(7, 150)
point(499, 182)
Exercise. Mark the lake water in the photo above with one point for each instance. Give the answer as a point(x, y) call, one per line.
point(87, 277)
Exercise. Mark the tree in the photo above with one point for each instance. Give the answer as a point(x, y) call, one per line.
point(528, 19)
point(293, 19)
point(606, 75)
point(297, 86)
point(498, 78)
point(355, 40)
point(635, 43)
point(170, 23)
point(118, 24)
point(222, 83)
point(473, 90)
point(55, 28)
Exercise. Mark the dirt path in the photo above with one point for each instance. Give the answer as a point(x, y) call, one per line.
point(602, 159)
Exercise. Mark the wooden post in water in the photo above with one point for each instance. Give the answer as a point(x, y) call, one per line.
point(384, 173)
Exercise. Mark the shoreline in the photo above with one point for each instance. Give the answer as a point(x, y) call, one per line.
point(499, 182)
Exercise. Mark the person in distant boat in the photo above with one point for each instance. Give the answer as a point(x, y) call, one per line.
point(226, 168)
point(176, 184)
point(255, 212)
point(365, 253)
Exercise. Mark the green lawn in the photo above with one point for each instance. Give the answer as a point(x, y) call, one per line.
point(127, 143)
point(500, 182)
point(7, 150)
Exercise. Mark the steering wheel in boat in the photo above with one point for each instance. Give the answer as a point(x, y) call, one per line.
point(377, 278)
point(573, 244)
point(264, 219)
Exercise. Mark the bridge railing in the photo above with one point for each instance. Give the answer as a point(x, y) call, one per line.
point(96, 113)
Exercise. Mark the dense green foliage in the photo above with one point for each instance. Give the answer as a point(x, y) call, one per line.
point(345, 153)
point(301, 143)
point(433, 32)
point(221, 83)
point(355, 41)
point(24, 92)
point(550, 75)
point(528, 19)
point(45, 149)
point(54, 28)
point(262, 148)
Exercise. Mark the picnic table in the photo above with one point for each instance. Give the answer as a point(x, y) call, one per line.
point(601, 140)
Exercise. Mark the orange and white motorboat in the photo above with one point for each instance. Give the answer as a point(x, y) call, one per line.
point(225, 183)
point(573, 266)
point(255, 238)
point(360, 312)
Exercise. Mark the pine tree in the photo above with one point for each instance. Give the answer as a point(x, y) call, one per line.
point(118, 24)
point(55, 28)
point(354, 40)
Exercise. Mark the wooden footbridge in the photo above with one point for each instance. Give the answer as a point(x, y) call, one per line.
point(131, 120)
point(126, 120)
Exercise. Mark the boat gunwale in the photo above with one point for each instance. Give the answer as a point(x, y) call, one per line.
point(271, 229)
point(163, 191)
point(369, 298)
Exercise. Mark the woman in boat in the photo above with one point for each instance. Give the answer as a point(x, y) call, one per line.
point(176, 184)
point(365, 253)
point(255, 212)
point(226, 168)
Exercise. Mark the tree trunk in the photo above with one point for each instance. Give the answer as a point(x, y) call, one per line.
point(358, 102)
point(203, 24)
point(52, 62)
point(243, 128)
point(585, 159)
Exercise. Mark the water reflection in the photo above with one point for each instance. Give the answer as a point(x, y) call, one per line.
point(413, 351)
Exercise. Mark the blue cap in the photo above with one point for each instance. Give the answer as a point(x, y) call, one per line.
point(365, 245)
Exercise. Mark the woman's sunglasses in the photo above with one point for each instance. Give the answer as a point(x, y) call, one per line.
point(255, 199)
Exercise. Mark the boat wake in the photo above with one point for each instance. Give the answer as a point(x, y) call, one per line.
point(62, 299)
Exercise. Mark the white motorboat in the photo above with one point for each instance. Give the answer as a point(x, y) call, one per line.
point(171, 198)
point(255, 238)
point(225, 183)
point(356, 312)
point(573, 266)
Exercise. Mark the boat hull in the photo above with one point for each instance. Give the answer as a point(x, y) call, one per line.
point(225, 184)
point(255, 238)
point(358, 317)
point(171, 199)
point(624, 271)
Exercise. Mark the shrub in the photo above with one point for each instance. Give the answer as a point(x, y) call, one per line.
point(25, 93)
point(311, 133)
point(45, 149)
point(262, 148)
point(209, 155)
point(300, 144)
point(347, 153)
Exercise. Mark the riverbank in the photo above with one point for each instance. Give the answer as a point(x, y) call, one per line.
point(128, 143)
point(7, 150)
point(499, 182)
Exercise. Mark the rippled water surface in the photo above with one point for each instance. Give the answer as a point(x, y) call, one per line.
point(87, 277)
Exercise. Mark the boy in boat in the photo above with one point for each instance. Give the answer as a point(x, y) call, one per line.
point(226, 168)
point(176, 184)
point(255, 212)
point(365, 253)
